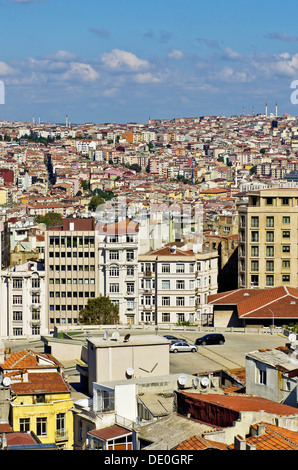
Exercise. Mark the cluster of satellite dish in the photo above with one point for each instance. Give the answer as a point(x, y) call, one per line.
point(203, 382)
point(115, 336)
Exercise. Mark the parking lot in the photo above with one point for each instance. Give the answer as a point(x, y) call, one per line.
point(230, 355)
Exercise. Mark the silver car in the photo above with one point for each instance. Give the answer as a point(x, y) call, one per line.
point(182, 346)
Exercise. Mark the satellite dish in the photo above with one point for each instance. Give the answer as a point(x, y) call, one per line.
point(196, 382)
point(129, 371)
point(115, 335)
point(182, 379)
point(205, 381)
point(126, 337)
point(292, 337)
point(6, 381)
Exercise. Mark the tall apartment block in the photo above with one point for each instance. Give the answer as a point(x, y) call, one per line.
point(118, 266)
point(268, 239)
point(174, 284)
point(71, 260)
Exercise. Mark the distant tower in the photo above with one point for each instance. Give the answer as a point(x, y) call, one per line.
point(276, 110)
point(66, 120)
point(266, 111)
point(243, 111)
point(253, 111)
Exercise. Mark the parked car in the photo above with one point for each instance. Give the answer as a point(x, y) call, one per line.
point(182, 346)
point(211, 338)
point(173, 338)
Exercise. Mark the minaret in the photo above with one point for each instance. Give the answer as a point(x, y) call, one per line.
point(66, 121)
point(266, 112)
point(276, 110)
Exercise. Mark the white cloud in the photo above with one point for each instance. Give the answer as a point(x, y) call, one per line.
point(5, 69)
point(176, 54)
point(119, 60)
point(81, 71)
point(146, 77)
point(230, 54)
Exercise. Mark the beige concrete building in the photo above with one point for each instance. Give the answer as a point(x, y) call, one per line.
point(183, 279)
point(268, 248)
point(71, 260)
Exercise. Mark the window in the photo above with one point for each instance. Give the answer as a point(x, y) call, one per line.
point(270, 237)
point(262, 377)
point(286, 220)
point(105, 400)
point(17, 300)
point(17, 331)
point(114, 271)
point(130, 271)
point(286, 249)
point(269, 265)
point(180, 301)
point(180, 268)
point(286, 263)
point(113, 254)
point(285, 278)
point(17, 316)
point(255, 266)
point(35, 283)
point(254, 236)
point(269, 250)
point(41, 427)
point(286, 234)
point(17, 283)
point(285, 201)
point(24, 424)
point(255, 280)
point(165, 284)
point(129, 255)
point(165, 301)
point(270, 222)
point(255, 221)
point(269, 280)
point(130, 304)
point(114, 287)
point(60, 425)
point(130, 287)
point(269, 201)
point(255, 251)
point(165, 268)
point(180, 284)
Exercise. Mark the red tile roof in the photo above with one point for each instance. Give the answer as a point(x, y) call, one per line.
point(28, 359)
point(282, 302)
point(274, 438)
point(41, 383)
point(246, 403)
point(199, 443)
point(110, 432)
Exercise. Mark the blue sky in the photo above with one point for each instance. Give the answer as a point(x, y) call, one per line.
point(128, 60)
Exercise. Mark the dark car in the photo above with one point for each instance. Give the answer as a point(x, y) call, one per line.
point(173, 338)
point(211, 338)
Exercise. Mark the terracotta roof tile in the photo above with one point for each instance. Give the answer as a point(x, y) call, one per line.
point(199, 443)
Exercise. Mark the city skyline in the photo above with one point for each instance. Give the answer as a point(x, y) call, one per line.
point(122, 62)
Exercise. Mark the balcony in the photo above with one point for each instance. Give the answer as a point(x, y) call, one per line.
point(61, 435)
point(148, 273)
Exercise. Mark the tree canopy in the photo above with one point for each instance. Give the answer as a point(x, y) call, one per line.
point(99, 311)
point(50, 219)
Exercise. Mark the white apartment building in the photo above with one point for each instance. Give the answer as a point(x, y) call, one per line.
point(23, 306)
point(118, 267)
point(174, 285)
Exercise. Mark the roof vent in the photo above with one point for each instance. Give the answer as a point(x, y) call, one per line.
point(293, 302)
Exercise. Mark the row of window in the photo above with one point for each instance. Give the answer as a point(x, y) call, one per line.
point(41, 425)
point(269, 265)
point(18, 299)
point(178, 267)
point(255, 236)
point(72, 281)
point(269, 221)
point(269, 279)
point(17, 283)
point(179, 301)
point(18, 331)
point(58, 295)
point(269, 250)
point(71, 254)
point(71, 267)
point(71, 242)
point(18, 315)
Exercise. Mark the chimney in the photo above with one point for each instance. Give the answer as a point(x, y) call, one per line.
point(261, 429)
point(239, 443)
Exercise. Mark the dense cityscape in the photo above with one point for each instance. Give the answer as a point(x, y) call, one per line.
point(115, 235)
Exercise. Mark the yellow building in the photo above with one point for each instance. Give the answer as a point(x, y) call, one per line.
point(40, 397)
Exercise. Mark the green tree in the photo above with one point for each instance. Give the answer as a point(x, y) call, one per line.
point(50, 219)
point(99, 311)
point(94, 202)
